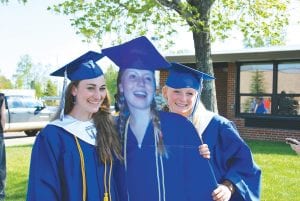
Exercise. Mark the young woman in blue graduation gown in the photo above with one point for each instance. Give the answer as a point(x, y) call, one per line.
point(161, 159)
point(72, 158)
point(230, 156)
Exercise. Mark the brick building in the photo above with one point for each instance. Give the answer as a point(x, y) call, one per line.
point(268, 76)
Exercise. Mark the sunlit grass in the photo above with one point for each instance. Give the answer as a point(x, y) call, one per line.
point(17, 172)
point(280, 171)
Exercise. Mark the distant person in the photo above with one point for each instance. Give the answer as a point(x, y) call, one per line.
point(267, 103)
point(286, 105)
point(73, 156)
point(260, 106)
point(2, 148)
point(252, 105)
point(295, 144)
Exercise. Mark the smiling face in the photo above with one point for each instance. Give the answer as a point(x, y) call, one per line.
point(180, 101)
point(138, 87)
point(89, 95)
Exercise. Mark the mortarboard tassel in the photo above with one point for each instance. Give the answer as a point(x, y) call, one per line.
point(62, 101)
point(105, 198)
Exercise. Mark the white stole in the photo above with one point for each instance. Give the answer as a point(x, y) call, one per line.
point(204, 119)
point(84, 130)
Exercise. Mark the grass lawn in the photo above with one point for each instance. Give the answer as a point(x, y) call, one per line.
point(17, 165)
point(280, 169)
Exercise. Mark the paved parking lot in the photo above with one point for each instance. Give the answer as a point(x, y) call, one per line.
point(17, 138)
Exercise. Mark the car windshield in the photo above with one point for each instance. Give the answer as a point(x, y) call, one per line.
point(23, 102)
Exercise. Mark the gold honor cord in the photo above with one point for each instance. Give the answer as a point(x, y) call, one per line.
point(82, 169)
point(106, 194)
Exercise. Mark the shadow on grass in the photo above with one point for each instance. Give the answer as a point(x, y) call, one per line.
point(267, 147)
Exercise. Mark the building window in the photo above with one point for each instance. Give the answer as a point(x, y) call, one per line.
point(270, 89)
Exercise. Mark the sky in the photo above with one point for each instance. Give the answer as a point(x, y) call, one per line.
point(49, 38)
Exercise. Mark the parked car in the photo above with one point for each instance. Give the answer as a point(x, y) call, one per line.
point(24, 113)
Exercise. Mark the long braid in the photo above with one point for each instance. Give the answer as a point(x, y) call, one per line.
point(157, 128)
point(158, 135)
point(124, 112)
point(123, 115)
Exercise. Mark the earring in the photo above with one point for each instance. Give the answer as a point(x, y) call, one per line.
point(74, 99)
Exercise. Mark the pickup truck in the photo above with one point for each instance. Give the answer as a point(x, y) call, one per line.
point(24, 113)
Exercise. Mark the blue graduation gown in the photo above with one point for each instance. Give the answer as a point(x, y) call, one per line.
point(232, 159)
point(187, 176)
point(55, 171)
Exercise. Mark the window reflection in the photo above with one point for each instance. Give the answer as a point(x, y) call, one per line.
point(287, 105)
point(270, 88)
point(289, 78)
point(256, 78)
point(256, 104)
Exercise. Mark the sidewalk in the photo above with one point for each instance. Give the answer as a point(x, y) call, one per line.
point(19, 141)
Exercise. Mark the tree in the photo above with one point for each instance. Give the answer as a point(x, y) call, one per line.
point(30, 75)
point(20, 1)
point(111, 80)
point(5, 83)
point(257, 85)
point(37, 86)
point(22, 76)
point(261, 22)
point(50, 91)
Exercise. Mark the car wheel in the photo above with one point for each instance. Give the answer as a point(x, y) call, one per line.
point(31, 132)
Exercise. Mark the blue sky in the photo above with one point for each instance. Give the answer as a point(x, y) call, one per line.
point(48, 38)
point(30, 29)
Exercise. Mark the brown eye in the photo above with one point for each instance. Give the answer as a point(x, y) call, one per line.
point(102, 88)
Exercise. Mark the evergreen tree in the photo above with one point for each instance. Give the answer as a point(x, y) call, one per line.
point(257, 82)
point(257, 87)
point(50, 91)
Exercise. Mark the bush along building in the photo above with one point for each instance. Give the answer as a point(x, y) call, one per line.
point(258, 89)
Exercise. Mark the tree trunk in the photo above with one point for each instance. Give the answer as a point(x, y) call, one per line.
point(202, 43)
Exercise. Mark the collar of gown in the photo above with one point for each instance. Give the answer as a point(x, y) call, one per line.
point(204, 119)
point(84, 130)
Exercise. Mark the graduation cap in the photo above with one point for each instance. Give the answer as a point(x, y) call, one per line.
point(181, 76)
point(84, 67)
point(138, 53)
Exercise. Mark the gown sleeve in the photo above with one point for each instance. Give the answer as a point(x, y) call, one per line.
point(237, 165)
point(44, 179)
